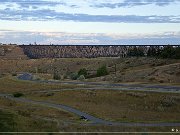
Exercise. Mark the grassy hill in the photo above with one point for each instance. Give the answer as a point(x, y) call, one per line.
point(133, 69)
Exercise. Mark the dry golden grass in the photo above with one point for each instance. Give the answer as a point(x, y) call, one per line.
point(128, 69)
point(29, 110)
point(10, 85)
point(120, 105)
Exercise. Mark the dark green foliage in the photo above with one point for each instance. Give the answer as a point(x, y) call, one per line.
point(154, 51)
point(18, 94)
point(167, 52)
point(82, 71)
point(7, 123)
point(56, 76)
point(81, 78)
point(14, 74)
point(74, 76)
point(177, 53)
point(102, 71)
point(135, 51)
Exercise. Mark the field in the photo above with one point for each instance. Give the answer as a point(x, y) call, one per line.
point(149, 70)
point(119, 105)
point(129, 106)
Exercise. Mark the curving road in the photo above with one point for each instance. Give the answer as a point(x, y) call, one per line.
point(111, 86)
point(98, 86)
point(93, 119)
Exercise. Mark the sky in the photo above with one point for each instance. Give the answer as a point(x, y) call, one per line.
point(90, 22)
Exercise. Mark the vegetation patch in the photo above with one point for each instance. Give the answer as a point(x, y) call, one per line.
point(120, 105)
point(18, 94)
point(102, 71)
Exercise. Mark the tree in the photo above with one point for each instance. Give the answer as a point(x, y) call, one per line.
point(56, 75)
point(102, 71)
point(177, 53)
point(151, 51)
point(82, 71)
point(135, 51)
point(74, 76)
point(167, 52)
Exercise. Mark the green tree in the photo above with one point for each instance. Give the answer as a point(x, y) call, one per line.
point(82, 71)
point(135, 51)
point(102, 71)
point(167, 52)
point(56, 76)
point(74, 76)
point(151, 51)
point(177, 53)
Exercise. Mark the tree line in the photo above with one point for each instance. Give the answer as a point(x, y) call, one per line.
point(172, 52)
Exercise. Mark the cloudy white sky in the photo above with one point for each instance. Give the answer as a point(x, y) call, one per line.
point(90, 21)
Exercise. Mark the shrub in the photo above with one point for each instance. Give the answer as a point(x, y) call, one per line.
point(74, 76)
point(56, 76)
point(167, 102)
point(18, 94)
point(49, 94)
point(161, 81)
point(81, 78)
point(14, 74)
point(35, 77)
point(83, 72)
point(102, 71)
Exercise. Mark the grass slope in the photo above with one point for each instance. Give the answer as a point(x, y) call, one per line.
point(120, 105)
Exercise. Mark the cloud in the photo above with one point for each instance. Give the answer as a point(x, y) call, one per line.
point(132, 3)
point(49, 15)
point(61, 38)
point(36, 4)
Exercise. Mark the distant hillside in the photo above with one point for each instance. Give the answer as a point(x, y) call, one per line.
point(134, 69)
point(11, 52)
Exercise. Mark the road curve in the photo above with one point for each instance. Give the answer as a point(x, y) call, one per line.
point(112, 86)
point(93, 119)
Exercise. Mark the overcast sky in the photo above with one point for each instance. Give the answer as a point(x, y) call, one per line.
point(90, 21)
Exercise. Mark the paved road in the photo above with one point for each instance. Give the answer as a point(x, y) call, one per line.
point(104, 88)
point(137, 87)
point(93, 119)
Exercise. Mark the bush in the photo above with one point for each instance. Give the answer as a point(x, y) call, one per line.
point(18, 94)
point(83, 72)
point(102, 71)
point(81, 78)
point(135, 51)
point(56, 76)
point(74, 76)
point(14, 74)
point(167, 102)
point(35, 77)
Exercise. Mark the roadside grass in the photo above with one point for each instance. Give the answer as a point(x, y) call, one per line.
point(9, 84)
point(12, 122)
point(30, 110)
point(20, 117)
point(34, 118)
point(125, 106)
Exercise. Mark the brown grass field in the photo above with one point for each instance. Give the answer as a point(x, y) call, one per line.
point(144, 69)
point(10, 84)
point(119, 105)
point(122, 106)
